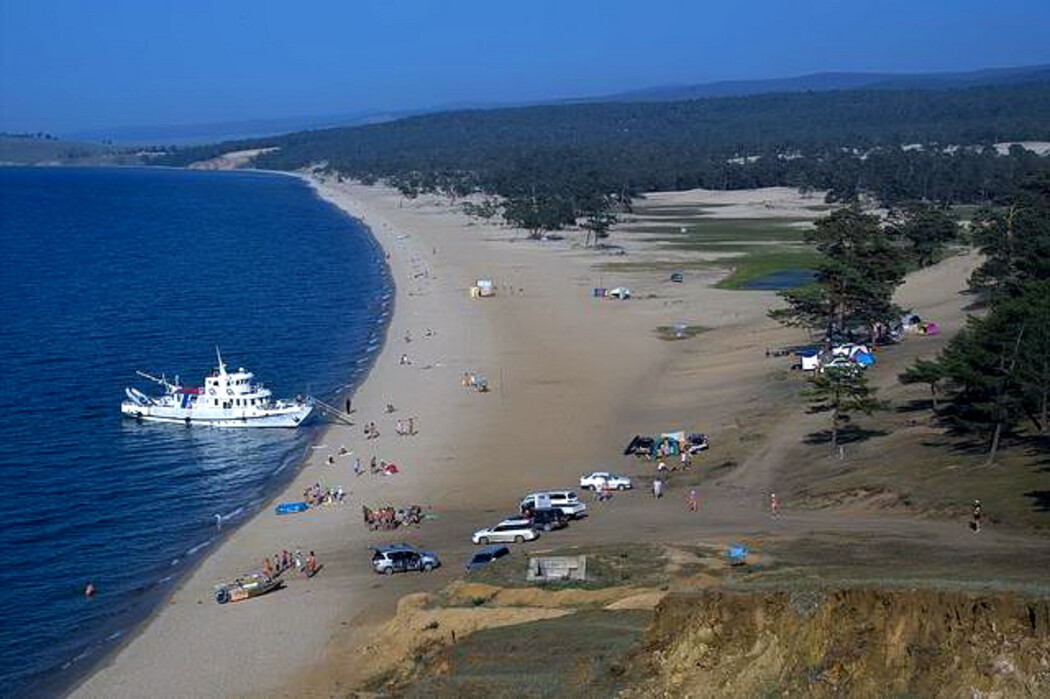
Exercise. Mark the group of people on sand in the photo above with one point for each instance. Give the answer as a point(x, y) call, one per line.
point(406, 428)
point(391, 517)
point(314, 495)
point(474, 382)
point(283, 561)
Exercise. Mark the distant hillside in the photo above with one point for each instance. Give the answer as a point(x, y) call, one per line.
point(825, 82)
point(212, 132)
point(47, 149)
point(847, 142)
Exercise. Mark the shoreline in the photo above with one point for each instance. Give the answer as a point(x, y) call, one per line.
point(96, 680)
point(572, 379)
point(140, 625)
point(560, 365)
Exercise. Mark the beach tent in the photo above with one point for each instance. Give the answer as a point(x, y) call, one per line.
point(864, 359)
point(639, 445)
point(809, 359)
point(485, 287)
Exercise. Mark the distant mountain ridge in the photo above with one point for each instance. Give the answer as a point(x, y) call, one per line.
point(826, 82)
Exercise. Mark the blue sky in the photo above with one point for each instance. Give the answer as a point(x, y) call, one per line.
point(68, 65)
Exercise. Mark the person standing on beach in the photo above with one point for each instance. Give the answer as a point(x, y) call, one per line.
point(774, 505)
point(412, 426)
point(693, 502)
point(400, 429)
point(658, 488)
point(975, 523)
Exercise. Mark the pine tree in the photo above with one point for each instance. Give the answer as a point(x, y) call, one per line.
point(859, 270)
point(929, 372)
point(841, 391)
point(925, 228)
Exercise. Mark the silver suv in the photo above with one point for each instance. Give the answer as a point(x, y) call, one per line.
point(401, 558)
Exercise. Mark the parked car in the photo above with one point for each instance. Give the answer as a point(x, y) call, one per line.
point(841, 364)
point(565, 500)
point(519, 530)
point(548, 518)
point(604, 479)
point(485, 556)
point(401, 558)
point(697, 442)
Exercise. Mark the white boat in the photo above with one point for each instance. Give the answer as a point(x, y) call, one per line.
point(227, 399)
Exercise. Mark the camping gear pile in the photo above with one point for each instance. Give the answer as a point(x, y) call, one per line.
point(392, 518)
point(666, 444)
point(620, 293)
point(736, 554)
point(847, 355)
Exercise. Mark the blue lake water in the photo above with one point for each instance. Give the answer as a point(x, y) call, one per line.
point(105, 271)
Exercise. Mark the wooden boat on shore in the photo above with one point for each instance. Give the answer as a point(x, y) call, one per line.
point(245, 588)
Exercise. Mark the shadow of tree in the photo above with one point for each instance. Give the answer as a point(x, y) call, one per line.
point(916, 405)
point(850, 434)
point(1042, 500)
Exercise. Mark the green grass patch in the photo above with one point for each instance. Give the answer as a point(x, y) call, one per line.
point(739, 230)
point(583, 654)
point(607, 566)
point(761, 263)
point(655, 266)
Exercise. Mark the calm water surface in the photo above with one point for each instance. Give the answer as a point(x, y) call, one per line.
point(105, 271)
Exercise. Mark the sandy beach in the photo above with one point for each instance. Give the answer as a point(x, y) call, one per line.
point(572, 378)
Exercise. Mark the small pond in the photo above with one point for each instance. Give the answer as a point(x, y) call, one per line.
point(781, 279)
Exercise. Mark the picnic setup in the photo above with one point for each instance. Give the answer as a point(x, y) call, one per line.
point(666, 444)
point(388, 518)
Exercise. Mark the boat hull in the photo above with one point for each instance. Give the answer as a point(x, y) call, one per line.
point(290, 417)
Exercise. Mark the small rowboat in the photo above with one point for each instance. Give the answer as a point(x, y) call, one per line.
point(246, 588)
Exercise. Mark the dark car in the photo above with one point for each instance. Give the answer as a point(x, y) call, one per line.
point(485, 556)
point(402, 558)
point(546, 519)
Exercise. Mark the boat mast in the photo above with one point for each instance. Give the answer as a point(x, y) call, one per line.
point(222, 367)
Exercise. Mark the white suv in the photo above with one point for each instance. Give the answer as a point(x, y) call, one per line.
point(565, 500)
point(603, 479)
point(518, 530)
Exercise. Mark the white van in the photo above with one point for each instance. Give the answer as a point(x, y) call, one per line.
point(565, 500)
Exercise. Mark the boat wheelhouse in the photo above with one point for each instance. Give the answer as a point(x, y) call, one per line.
point(227, 399)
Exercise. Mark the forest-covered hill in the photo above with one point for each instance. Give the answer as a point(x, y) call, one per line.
point(848, 142)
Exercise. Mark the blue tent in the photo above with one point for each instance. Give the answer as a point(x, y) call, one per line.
point(864, 359)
